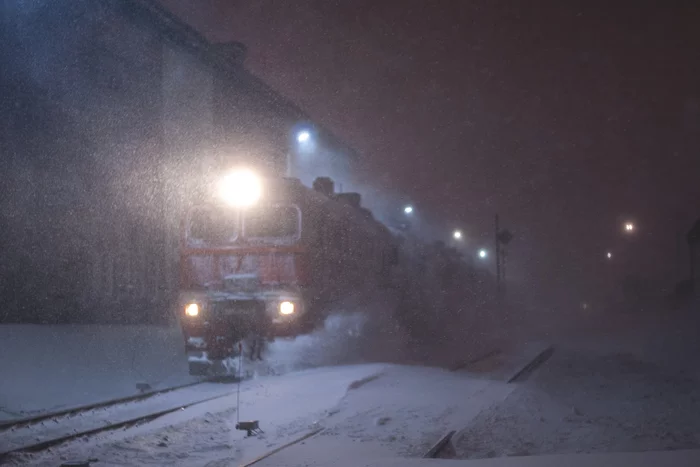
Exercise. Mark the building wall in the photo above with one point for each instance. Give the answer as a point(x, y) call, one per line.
point(118, 116)
point(87, 138)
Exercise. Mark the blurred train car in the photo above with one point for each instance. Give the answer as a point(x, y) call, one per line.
point(270, 258)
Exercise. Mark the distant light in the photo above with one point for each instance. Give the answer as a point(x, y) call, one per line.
point(457, 235)
point(408, 209)
point(609, 255)
point(241, 188)
point(629, 227)
point(303, 137)
point(483, 253)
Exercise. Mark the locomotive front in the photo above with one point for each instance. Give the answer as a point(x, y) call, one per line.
point(242, 270)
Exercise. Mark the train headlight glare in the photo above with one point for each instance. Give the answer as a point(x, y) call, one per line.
point(241, 189)
point(192, 309)
point(286, 308)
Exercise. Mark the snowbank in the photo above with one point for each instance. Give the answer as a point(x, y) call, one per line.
point(50, 367)
point(625, 382)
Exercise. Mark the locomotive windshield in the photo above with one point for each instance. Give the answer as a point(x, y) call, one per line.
point(271, 222)
point(213, 227)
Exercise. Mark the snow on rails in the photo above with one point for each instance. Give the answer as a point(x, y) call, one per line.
point(41, 432)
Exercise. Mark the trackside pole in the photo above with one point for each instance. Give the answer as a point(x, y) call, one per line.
point(250, 427)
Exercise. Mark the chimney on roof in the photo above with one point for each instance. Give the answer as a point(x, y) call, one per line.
point(234, 51)
point(324, 185)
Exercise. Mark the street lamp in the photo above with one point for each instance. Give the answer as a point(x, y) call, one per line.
point(408, 209)
point(304, 144)
point(457, 234)
point(629, 227)
point(303, 136)
point(483, 253)
point(608, 255)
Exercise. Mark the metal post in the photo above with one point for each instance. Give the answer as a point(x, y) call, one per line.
point(498, 259)
point(504, 255)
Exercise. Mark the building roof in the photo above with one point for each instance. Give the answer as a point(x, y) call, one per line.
point(181, 33)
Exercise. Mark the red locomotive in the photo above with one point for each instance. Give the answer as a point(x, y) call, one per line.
point(269, 258)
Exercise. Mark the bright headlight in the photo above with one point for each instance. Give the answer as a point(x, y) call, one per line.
point(241, 188)
point(286, 308)
point(192, 309)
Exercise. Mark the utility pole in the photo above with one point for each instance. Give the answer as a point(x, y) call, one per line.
point(502, 237)
point(504, 256)
point(498, 258)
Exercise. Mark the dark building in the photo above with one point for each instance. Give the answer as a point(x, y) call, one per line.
point(114, 112)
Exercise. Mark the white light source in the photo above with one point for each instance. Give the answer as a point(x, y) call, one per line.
point(303, 137)
point(241, 188)
point(408, 209)
point(286, 308)
point(483, 253)
point(457, 234)
point(608, 255)
point(629, 227)
point(192, 309)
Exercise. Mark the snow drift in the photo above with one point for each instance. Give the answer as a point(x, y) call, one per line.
point(52, 367)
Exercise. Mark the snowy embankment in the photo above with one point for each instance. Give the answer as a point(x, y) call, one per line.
point(629, 382)
point(52, 367)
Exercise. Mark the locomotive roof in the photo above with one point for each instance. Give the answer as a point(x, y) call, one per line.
point(292, 190)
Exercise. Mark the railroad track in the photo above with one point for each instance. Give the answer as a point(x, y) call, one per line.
point(443, 448)
point(43, 431)
point(83, 408)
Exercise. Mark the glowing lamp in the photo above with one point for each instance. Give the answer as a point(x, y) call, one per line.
point(286, 308)
point(241, 188)
point(192, 310)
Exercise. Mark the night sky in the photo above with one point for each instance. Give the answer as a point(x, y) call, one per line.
point(566, 117)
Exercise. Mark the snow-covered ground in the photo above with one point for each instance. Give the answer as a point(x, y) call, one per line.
point(373, 415)
point(48, 367)
point(205, 434)
point(366, 410)
point(617, 382)
point(630, 383)
point(624, 383)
